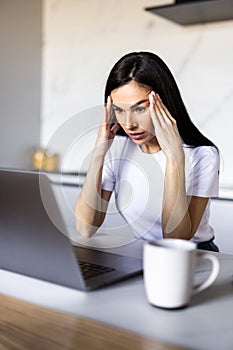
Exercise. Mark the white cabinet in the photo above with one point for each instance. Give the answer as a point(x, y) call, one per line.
point(221, 219)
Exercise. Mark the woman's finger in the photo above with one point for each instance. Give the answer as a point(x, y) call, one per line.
point(165, 112)
point(153, 114)
point(108, 111)
point(115, 128)
point(159, 112)
point(109, 105)
point(164, 124)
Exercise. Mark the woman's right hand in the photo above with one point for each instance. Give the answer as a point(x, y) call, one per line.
point(107, 131)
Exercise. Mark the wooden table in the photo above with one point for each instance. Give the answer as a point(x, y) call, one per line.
point(27, 326)
point(205, 325)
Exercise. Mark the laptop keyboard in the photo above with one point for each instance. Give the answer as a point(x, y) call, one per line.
point(90, 270)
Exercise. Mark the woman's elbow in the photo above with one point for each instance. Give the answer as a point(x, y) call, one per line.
point(181, 231)
point(85, 229)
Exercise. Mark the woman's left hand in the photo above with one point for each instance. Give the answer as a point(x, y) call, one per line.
point(166, 130)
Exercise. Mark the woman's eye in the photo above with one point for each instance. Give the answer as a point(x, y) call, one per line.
point(118, 110)
point(140, 109)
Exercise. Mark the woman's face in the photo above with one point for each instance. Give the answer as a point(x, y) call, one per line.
point(130, 103)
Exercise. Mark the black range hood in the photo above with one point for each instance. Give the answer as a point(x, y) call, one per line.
point(188, 12)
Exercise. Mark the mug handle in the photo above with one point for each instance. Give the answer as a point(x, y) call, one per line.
point(213, 274)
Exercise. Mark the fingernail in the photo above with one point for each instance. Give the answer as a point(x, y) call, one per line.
point(151, 98)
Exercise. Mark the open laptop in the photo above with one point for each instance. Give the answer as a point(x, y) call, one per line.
point(32, 245)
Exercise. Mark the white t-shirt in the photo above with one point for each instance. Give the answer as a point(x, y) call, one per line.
point(137, 180)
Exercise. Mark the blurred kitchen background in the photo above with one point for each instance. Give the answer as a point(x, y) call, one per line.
point(55, 58)
point(56, 55)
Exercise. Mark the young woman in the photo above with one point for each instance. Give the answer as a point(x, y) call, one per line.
point(161, 168)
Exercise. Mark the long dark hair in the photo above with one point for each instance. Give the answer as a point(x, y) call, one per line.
point(149, 69)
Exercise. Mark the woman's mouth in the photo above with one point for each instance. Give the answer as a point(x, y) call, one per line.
point(137, 136)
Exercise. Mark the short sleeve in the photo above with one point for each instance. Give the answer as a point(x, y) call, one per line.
point(203, 177)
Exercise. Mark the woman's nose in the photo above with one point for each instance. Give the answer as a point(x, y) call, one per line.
point(130, 121)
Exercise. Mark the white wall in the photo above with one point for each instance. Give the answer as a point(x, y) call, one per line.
point(20, 81)
point(82, 40)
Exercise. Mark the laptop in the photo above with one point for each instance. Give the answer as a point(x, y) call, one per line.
point(32, 245)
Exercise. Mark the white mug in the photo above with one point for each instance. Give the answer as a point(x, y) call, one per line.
point(169, 268)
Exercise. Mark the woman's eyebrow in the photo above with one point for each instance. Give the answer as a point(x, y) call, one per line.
point(116, 106)
point(138, 103)
point(134, 105)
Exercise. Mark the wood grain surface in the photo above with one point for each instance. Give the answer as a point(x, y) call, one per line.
point(27, 326)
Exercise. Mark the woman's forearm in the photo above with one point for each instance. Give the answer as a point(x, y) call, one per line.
point(176, 222)
point(90, 208)
point(92, 202)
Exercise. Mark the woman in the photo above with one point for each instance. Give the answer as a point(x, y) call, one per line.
point(161, 168)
